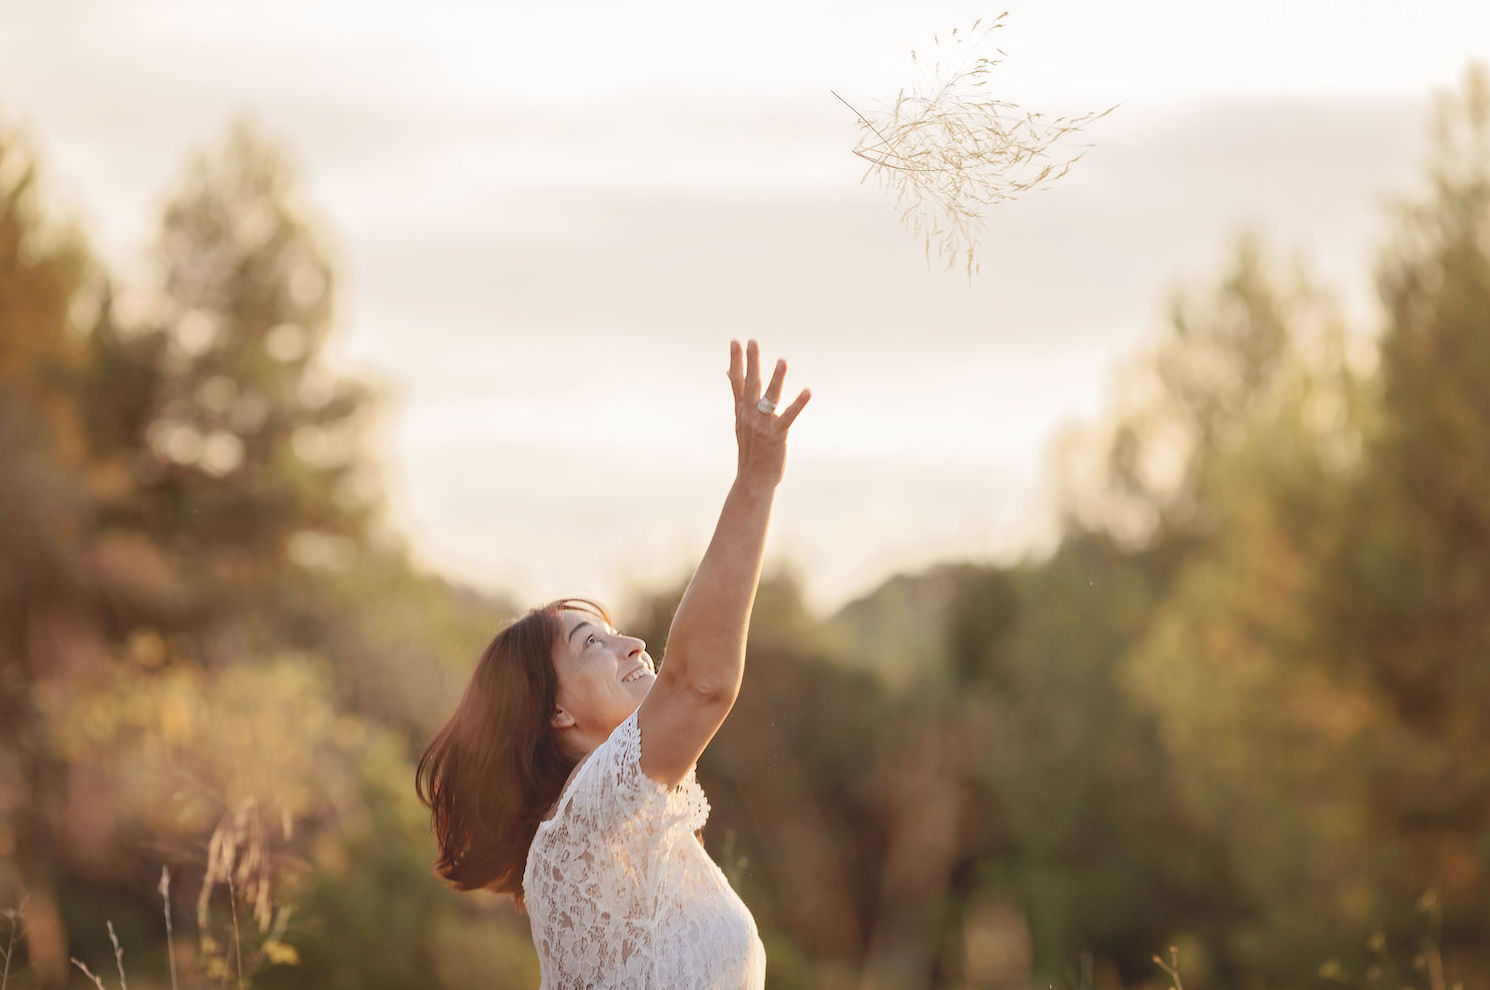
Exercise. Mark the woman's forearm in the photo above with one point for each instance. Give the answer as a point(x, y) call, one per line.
point(706, 645)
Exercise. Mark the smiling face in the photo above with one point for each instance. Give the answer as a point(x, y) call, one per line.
point(603, 677)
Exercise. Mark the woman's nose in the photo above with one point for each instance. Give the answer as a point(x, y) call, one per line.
point(635, 645)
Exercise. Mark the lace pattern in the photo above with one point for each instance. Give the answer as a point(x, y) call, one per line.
point(622, 895)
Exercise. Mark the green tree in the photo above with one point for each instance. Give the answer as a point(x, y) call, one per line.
point(1183, 404)
point(1403, 603)
point(1319, 668)
point(252, 463)
point(185, 491)
point(45, 267)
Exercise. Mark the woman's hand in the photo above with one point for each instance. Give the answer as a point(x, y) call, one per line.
point(761, 435)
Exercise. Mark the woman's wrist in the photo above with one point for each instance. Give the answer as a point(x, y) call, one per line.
point(756, 483)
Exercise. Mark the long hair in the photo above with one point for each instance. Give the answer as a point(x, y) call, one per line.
point(494, 769)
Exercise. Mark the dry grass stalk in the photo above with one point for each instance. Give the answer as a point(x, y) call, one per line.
point(948, 151)
point(118, 955)
point(165, 895)
point(118, 961)
point(1172, 968)
point(237, 939)
point(238, 856)
point(87, 972)
point(13, 915)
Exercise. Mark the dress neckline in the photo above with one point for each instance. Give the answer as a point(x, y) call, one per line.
point(568, 789)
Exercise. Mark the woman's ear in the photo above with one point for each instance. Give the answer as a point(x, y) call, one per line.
point(561, 719)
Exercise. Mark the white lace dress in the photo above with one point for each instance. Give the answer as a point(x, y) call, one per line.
point(620, 893)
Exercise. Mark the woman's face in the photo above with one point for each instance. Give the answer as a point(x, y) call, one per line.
point(603, 677)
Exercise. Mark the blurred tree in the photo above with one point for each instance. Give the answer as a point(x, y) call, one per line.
point(1404, 597)
point(1109, 861)
point(1259, 733)
point(1232, 442)
point(185, 490)
point(44, 634)
point(251, 465)
point(942, 821)
point(1070, 838)
point(1309, 673)
point(402, 644)
point(1148, 477)
point(981, 620)
point(244, 552)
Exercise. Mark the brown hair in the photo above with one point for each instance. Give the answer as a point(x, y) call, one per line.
point(491, 774)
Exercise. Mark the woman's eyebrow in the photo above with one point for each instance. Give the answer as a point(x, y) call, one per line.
point(576, 629)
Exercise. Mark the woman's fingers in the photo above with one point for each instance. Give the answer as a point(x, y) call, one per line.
point(773, 390)
point(789, 415)
point(736, 370)
point(752, 373)
point(746, 381)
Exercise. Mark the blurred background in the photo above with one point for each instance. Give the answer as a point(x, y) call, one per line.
point(1125, 600)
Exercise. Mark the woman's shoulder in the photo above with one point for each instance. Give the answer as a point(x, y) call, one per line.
point(608, 788)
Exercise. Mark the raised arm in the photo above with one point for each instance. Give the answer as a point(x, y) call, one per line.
point(701, 673)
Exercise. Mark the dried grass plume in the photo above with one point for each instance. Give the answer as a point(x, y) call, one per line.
point(947, 150)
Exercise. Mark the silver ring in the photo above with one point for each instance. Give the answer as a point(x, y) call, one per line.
point(766, 406)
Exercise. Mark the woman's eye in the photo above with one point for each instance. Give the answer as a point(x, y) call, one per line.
point(592, 638)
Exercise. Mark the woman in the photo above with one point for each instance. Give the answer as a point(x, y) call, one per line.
point(566, 775)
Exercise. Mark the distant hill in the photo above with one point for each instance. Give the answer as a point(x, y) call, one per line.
point(897, 630)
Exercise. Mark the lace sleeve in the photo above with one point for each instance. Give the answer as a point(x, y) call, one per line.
point(616, 797)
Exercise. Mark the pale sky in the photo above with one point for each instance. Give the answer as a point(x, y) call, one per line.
point(549, 219)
